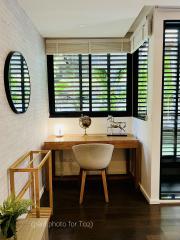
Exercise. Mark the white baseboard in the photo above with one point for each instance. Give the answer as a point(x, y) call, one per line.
point(144, 193)
point(154, 201)
point(157, 201)
point(149, 200)
point(169, 201)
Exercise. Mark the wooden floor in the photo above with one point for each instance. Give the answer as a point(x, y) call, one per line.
point(126, 217)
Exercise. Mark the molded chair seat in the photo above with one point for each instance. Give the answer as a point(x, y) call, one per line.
point(93, 157)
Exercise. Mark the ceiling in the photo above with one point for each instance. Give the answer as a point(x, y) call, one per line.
point(86, 18)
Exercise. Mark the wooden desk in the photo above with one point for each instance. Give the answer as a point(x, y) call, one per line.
point(129, 142)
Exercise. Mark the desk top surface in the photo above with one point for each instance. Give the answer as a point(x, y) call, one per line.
point(68, 140)
point(89, 138)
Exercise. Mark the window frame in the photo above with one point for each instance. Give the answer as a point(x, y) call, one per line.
point(169, 161)
point(53, 114)
point(135, 87)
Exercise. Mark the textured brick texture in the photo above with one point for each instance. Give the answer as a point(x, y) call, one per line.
point(21, 132)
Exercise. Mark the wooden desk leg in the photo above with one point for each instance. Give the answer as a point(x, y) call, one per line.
point(53, 164)
point(128, 161)
point(131, 166)
point(137, 166)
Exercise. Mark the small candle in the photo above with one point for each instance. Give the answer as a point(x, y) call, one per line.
point(58, 130)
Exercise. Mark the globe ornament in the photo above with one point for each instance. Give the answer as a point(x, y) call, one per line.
point(84, 122)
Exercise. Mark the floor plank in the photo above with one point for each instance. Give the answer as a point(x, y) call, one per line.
point(127, 216)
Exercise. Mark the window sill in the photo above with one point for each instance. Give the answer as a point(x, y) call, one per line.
point(91, 114)
point(145, 118)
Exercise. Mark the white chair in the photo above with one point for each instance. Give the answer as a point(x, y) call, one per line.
point(93, 157)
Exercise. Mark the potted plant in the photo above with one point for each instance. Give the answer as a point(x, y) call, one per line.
point(10, 210)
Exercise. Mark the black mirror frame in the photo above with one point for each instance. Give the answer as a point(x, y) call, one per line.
point(6, 82)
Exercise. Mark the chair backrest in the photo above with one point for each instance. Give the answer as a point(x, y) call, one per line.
point(93, 156)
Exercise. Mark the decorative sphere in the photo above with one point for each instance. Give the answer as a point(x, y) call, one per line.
point(84, 121)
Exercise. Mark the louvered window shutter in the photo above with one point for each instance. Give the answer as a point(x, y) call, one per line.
point(170, 130)
point(140, 81)
point(96, 84)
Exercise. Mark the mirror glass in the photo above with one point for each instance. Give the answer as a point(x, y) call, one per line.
point(17, 82)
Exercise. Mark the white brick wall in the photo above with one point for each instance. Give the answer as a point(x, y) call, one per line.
point(21, 132)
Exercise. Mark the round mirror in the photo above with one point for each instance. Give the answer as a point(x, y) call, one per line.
point(17, 82)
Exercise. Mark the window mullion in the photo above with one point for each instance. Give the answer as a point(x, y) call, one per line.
point(177, 98)
point(51, 86)
point(135, 84)
point(22, 83)
point(80, 83)
point(109, 82)
point(129, 85)
point(90, 84)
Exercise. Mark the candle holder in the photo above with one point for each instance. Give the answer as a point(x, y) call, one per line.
point(84, 122)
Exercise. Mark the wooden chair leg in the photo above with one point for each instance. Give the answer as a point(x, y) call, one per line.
point(103, 173)
point(80, 176)
point(82, 186)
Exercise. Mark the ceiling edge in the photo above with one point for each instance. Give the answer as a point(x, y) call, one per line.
point(146, 10)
